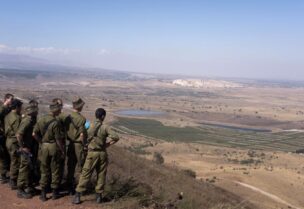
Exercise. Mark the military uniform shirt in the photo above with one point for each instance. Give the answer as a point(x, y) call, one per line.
point(76, 126)
point(62, 117)
point(12, 122)
point(49, 129)
point(98, 142)
point(26, 129)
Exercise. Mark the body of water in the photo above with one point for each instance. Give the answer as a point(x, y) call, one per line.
point(139, 113)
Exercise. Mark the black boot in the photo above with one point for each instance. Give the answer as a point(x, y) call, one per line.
point(71, 187)
point(22, 194)
point(31, 190)
point(98, 198)
point(3, 179)
point(56, 194)
point(13, 184)
point(71, 190)
point(43, 195)
point(76, 199)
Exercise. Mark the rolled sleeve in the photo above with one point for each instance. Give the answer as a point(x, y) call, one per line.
point(112, 134)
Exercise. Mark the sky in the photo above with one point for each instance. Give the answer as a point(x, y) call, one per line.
point(223, 38)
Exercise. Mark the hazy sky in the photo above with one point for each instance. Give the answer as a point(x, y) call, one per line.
point(235, 38)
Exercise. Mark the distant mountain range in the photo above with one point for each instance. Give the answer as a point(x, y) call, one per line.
point(9, 62)
point(19, 63)
point(24, 62)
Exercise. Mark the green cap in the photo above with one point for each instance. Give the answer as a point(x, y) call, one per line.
point(78, 103)
point(55, 107)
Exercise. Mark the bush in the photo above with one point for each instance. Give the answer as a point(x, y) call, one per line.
point(190, 173)
point(158, 158)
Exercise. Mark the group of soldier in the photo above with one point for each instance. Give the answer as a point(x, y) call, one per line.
point(34, 151)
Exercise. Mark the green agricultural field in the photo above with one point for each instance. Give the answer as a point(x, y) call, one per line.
point(283, 141)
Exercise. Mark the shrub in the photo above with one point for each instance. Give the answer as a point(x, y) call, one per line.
point(190, 173)
point(158, 158)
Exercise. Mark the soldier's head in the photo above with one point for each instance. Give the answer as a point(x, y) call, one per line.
point(59, 101)
point(100, 114)
point(16, 105)
point(31, 110)
point(33, 103)
point(8, 99)
point(78, 104)
point(55, 108)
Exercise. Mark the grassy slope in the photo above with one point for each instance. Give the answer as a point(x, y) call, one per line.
point(156, 183)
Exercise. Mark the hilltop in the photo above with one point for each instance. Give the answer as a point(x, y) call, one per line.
point(134, 182)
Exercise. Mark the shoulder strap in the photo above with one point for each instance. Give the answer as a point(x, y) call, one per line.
point(46, 126)
point(94, 133)
point(96, 130)
point(72, 121)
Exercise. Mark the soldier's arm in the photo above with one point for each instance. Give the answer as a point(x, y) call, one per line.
point(83, 132)
point(59, 137)
point(112, 135)
point(20, 133)
point(36, 133)
point(15, 125)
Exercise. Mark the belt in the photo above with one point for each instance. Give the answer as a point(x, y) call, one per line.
point(76, 142)
point(48, 142)
point(97, 150)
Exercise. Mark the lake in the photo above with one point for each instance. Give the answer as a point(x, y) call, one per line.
point(139, 113)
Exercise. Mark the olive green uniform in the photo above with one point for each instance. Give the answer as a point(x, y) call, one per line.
point(97, 158)
point(4, 155)
point(48, 128)
point(75, 152)
point(12, 122)
point(25, 130)
point(63, 119)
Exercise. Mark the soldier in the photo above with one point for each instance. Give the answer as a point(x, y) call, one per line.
point(12, 122)
point(48, 132)
point(97, 157)
point(77, 135)
point(26, 144)
point(4, 155)
point(62, 118)
point(35, 175)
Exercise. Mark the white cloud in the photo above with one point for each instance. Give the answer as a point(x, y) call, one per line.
point(37, 50)
point(103, 52)
point(3, 48)
point(46, 50)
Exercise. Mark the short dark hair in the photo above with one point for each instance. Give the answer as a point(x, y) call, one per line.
point(8, 96)
point(100, 112)
point(16, 103)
